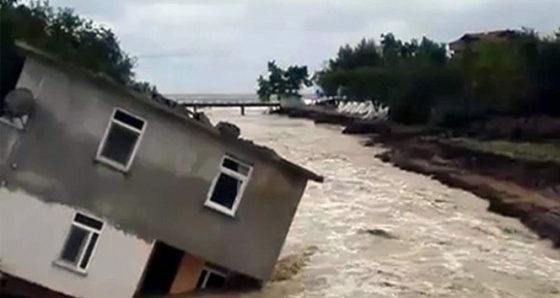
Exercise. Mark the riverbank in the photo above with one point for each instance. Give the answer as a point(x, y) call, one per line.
point(519, 180)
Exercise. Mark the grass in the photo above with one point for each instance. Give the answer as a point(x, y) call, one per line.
point(518, 150)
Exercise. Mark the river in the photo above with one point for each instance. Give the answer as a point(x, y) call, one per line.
point(444, 243)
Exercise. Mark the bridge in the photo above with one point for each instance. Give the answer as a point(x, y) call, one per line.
point(227, 104)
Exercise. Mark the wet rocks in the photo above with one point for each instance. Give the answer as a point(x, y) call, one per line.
point(367, 126)
point(202, 118)
point(546, 224)
point(228, 129)
point(378, 233)
point(291, 265)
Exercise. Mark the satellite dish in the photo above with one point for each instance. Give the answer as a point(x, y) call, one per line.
point(18, 103)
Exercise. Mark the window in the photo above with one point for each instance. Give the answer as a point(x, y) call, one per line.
point(80, 243)
point(121, 140)
point(210, 279)
point(228, 186)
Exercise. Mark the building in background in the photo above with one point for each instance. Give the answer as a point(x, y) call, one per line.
point(470, 39)
point(105, 193)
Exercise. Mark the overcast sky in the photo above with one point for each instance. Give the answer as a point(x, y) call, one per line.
point(218, 46)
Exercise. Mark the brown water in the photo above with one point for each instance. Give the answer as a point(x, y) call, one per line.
point(446, 245)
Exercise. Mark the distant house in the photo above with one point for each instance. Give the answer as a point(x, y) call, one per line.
point(458, 47)
point(105, 193)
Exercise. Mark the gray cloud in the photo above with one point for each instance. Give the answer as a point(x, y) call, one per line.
point(223, 45)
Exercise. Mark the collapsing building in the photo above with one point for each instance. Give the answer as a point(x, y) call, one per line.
point(105, 193)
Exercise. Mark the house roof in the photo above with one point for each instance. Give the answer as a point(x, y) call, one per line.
point(261, 151)
point(490, 35)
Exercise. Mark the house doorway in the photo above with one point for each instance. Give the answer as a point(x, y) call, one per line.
point(161, 270)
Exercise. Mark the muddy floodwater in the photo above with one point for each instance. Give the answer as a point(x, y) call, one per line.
point(383, 232)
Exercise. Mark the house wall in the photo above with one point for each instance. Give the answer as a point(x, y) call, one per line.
point(32, 234)
point(163, 196)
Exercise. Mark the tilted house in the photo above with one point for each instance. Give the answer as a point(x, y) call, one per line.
point(105, 193)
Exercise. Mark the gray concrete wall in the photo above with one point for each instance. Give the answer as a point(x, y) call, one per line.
point(163, 197)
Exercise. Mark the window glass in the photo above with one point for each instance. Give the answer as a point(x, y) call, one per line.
point(201, 279)
point(88, 221)
point(129, 119)
point(119, 144)
point(235, 166)
point(80, 242)
point(122, 137)
point(74, 244)
point(209, 279)
point(215, 281)
point(89, 250)
point(226, 190)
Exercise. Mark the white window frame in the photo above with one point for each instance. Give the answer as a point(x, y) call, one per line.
point(243, 178)
point(76, 267)
point(113, 121)
point(210, 271)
